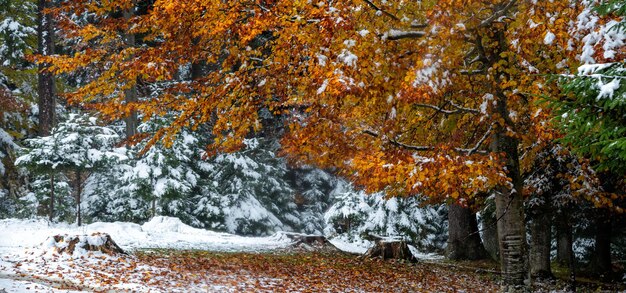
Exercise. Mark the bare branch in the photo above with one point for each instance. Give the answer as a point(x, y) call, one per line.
point(472, 72)
point(497, 14)
point(459, 109)
point(438, 109)
point(481, 141)
point(411, 147)
point(416, 24)
point(464, 109)
point(429, 148)
point(370, 132)
point(371, 4)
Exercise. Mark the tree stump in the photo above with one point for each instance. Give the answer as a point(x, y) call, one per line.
point(101, 242)
point(309, 242)
point(389, 249)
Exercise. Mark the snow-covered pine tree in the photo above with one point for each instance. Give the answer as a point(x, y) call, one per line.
point(313, 189)
point(17, 39)
point(356, 213)
point(246, 192)
point(158, 181)
point(75, 148)
point(17, 32)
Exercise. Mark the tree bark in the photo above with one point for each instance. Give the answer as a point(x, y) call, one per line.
point(130, 94)
point(390, 250)
point(540, 231)
point(79, 190)
point(45, 80)
point(464, 241)
point(563, 240)
point(490, 233)
point(52, 198)
point(510, 211)
point(601, 261)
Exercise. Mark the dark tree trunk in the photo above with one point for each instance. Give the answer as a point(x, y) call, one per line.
point(463, 238)
point(131, 93)
point(79, 191)
point(198, 70)
point(45, 80)
point(601, 261)
point(563, 240)
point(52, 198)
point(540, 232)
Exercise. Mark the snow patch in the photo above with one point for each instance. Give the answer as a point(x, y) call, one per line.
point(549, 38)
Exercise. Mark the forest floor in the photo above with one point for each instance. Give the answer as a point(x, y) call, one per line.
point(285, 270)
point(203, 271)
point(168, 256)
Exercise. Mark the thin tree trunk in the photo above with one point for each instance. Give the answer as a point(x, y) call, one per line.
point(79, 191)
point(154, 208)
point(464, 241)
point(52, 198)
point(45, 80)
point(540, 231)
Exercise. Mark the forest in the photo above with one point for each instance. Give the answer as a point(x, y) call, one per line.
point(483, 131)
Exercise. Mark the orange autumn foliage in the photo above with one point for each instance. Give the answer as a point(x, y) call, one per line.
point(406, 96)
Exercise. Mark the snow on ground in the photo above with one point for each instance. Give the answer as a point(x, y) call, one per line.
point(10, 285)
point(29, 263)
point(160, 232)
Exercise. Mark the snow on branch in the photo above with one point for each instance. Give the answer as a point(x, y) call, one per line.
point(394, 34)
point(371, 4)
point(459, 109)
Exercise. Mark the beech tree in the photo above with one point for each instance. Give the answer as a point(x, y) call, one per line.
point(435, 98)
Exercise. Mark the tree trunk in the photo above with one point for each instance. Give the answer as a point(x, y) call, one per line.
point(45, 80)
point(563, 240)
point(510, 212)
point(79, 190)
point(131, 93)
point(463, 238)
point(601, 261)
point(490, 233)
point(540, 231)
point(51, 210)
point(153, 208)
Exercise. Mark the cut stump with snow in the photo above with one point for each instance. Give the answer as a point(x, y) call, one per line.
point(309, 242)
point(96, 242)
point(390, 249)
